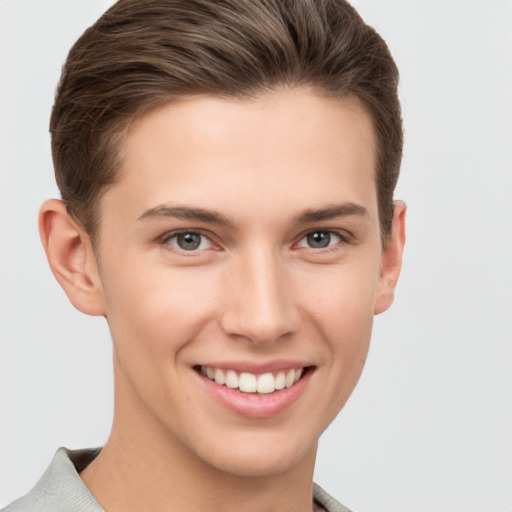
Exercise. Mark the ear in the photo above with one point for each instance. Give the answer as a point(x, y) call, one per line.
point(71, 257)
point(391, 260)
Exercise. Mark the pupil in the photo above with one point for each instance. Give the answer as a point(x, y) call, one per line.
point(319, 240)
point(189, 241)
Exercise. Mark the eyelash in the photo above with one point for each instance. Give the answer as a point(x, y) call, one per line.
point(343, 238)
point(165, 240)
point(340, 235)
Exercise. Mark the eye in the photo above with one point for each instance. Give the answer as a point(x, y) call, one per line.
point(188, 241)
point(320, 239)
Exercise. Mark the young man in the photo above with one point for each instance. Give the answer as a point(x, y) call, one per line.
point(227, 173)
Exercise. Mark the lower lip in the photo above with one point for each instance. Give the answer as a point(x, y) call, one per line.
point(254, 405)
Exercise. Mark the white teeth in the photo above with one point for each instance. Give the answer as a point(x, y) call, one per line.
point(251, 383)
point(290, 378)
point(219, 376)
point(231, 379)
point(266, 383)
point(280, 381)
point(247, 382)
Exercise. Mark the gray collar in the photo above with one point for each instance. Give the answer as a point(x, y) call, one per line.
point(61, 489)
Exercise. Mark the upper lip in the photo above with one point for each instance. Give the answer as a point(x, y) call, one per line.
point(257, 368)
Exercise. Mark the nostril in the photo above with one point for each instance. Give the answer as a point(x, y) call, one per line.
point(260, 329)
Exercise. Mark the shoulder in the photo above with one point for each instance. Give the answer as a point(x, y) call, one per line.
point(60, 488)
point(326, 501)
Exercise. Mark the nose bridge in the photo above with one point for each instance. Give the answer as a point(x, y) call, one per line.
point(261, 306)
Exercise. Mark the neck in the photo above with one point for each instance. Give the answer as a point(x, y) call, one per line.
point(142, 467)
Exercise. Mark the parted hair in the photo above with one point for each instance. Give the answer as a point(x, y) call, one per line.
point(142, 54)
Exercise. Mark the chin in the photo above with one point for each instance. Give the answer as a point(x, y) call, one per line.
point(259, 458)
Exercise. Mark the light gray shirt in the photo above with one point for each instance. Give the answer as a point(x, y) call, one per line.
point(61, 489)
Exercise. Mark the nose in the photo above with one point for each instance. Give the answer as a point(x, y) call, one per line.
point(260, 304)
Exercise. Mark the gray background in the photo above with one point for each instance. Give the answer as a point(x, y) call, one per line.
point(429, 427)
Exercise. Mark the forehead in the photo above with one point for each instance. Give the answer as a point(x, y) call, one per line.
point(288, 145)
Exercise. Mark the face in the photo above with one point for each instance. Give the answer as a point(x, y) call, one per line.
point(241, 263)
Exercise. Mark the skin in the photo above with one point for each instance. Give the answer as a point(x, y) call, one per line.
point(255, 292)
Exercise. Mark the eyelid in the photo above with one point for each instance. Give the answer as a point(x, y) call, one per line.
point(344, 238)
point(164, 240)
point(343, 235)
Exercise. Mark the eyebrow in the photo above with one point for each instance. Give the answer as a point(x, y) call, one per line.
point(212, 217)
point(187, 213)
point(331, 212)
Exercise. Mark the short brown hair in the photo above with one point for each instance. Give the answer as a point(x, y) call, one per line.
point(143, 54)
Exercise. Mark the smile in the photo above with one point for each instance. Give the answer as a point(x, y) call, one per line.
point(252, 383)
point(256, 393)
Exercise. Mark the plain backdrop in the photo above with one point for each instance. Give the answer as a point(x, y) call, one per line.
point(429, 427)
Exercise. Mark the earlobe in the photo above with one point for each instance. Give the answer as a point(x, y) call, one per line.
point(391, 260)
point(71, 258)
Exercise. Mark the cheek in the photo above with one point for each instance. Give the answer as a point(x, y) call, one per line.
point(152, 318)
point(343, 298)
point(342, 313)
point(155, 313)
